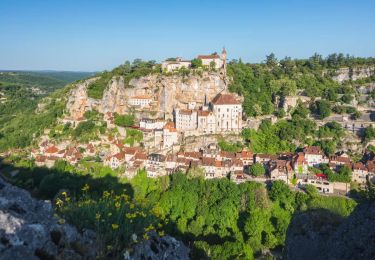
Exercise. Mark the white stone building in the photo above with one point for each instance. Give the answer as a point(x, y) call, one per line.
point(169, 135)
point(314, 156)
point(219, 61)
point(206, 121)
point(228, 113)
point(147, 123)
point(140, 100)
point(185, 119)
point(173, 65)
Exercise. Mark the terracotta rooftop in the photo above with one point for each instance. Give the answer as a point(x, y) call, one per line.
point(225, 99)
point(313, 150)
point(187, 112)
point(141, 97)
point(203, 113)
point(51, 149)
point(206, 57)
point(170, 126)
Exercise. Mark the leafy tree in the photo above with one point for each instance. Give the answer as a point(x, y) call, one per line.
point(284, 87)
point(369, 133)
point(124, 120)
point(196, 63)
point(257, 169)
point(271, 60)
point(322, 108)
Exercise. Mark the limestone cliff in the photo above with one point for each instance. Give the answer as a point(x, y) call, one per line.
point(167, 92)
point(344, 74)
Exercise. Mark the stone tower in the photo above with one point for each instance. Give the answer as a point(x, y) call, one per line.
point(224, 57)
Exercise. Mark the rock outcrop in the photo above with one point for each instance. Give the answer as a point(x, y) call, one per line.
point(344, 74)
point(157, 248)
point(166, 91)
point(28, 230)
point(320, 234)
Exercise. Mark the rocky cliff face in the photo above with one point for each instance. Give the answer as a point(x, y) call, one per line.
point(167, 92)
point(323, 235)
point(28, 230)
point(344, 74)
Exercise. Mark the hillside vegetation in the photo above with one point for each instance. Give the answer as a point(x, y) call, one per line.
point(217, 218)
point(21, 92)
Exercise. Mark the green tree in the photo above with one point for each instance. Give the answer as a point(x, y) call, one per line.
point(323, 108)
point(124, 120)
point(257, 169)
point(196, 63)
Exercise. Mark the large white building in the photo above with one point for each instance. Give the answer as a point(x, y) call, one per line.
point(173, 65)
point(228, 113)
point(141, 101)
point(223, 115)
point(185, 119)
point(170, 136)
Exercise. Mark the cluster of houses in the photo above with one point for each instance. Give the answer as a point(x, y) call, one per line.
point(213, 162)
point(215, 61)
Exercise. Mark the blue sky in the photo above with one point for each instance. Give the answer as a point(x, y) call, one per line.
point(96, 35)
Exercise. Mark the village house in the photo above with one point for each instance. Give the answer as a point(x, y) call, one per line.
point(359, 173)
point(140, 101)
point(263, 158)
point(318, 180)
point(206, 121)
point(115, 161)
point(228, 113)
point(170, 136)
point(300, 165)
point(185, 119)
point(314, 156)
point(280, 170)
point(155, 165)
point(175, 64)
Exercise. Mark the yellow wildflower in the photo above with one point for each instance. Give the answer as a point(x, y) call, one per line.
point(85, 188)
point(61, 221)
point(97, 216)
point(64, 194)
point(117, 204)
point(106, 194)
point(131, 206)
point(59, 202)
point(145, 236)
point(114, 226)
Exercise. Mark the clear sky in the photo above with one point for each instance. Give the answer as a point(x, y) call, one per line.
point(95, 35)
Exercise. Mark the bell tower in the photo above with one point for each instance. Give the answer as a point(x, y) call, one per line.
point(224, 59)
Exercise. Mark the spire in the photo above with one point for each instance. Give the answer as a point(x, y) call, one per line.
point(224, 51)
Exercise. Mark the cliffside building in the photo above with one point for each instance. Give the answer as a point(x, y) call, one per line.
point(224, 114)
point(215, 61)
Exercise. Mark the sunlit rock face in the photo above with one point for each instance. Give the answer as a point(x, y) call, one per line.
point(166, 91)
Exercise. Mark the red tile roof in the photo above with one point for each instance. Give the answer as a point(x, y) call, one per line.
point(170, 127)
point(205, 57)
point(313, 150)
point(225, 99)
point(51, 149)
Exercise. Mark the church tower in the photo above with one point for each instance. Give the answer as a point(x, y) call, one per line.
point(224, 59)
